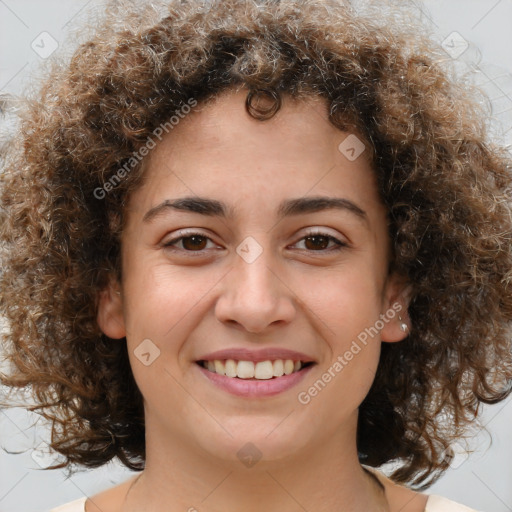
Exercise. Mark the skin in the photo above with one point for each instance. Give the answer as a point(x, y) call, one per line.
point(293, 295)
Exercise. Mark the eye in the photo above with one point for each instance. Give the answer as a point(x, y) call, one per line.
point(190, 242)
point(318, 241)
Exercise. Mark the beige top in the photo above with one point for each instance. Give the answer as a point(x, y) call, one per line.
point(434, 504)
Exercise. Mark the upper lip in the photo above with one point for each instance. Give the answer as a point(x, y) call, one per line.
point(264, 354)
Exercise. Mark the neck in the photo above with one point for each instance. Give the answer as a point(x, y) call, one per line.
point(326, 476)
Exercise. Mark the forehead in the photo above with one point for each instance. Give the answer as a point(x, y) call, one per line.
point(224, 119)
point(218, 150)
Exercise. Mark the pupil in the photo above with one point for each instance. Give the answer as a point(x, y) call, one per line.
point(194, 242)
point(319, 241)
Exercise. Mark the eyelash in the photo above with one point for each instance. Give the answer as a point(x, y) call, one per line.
point(340, 245)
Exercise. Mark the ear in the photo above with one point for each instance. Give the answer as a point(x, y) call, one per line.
point(110, 311)
point(397, 324)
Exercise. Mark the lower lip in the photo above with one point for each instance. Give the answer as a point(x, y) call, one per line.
point(255, 388)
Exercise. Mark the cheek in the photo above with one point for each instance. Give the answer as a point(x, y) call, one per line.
point(346, 301)
point(165, 305)
point(162, 311)
point(346, 306)
point(336, 394)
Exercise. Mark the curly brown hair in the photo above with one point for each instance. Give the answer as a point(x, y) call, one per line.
point(446, 186)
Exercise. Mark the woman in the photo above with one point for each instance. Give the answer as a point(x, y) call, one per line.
point(256, 250)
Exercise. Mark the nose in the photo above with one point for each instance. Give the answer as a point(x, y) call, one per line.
point(254, 297)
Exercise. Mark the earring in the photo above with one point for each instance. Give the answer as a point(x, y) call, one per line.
point(403, 325)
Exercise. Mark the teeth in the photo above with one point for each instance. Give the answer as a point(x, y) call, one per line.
point(262, 370)
point(288, 367)
point(245, 370)
point(219, 367)
point(278, 368)
point(230, 368)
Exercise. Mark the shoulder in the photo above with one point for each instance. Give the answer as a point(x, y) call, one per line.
point(109, 500)
point(73, 506)
point(406, 500)
point(439, 504)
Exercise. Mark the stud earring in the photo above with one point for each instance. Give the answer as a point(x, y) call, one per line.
point(403, 325)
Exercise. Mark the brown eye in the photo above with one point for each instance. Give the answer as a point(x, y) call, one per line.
point(194, 242)
point(321, 242)
point(316, 242)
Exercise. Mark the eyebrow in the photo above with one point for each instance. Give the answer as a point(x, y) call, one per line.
point(287, 208)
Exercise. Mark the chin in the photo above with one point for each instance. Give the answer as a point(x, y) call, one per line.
point(252, 444)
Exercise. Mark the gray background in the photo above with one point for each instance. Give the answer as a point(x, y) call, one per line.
point(484, 480)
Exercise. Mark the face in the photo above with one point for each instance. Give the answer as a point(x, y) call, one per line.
point(251, 243)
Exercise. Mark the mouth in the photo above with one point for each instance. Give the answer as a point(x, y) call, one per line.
point(251, 370)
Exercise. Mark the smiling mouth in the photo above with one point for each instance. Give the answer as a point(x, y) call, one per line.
point(261, 370)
